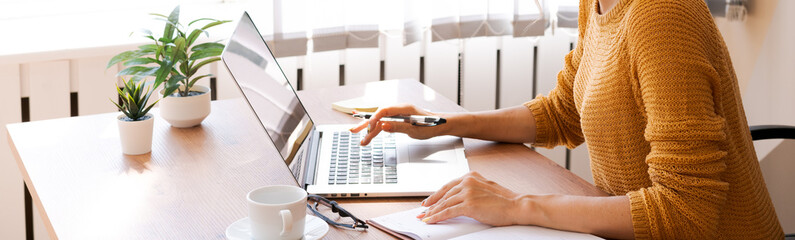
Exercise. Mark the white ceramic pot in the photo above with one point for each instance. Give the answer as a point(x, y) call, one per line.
point(136, 136)
point(185, 112)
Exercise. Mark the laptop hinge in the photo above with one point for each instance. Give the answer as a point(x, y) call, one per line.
point(312, 158)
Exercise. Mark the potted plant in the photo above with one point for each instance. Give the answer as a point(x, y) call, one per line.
point(174, 61)
point(135, 122)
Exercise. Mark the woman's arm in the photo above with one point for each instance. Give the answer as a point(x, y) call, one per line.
point(514, 124)
point(607, 217)
point(486, 201)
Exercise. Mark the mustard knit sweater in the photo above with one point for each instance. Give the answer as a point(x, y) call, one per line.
point(651, 89)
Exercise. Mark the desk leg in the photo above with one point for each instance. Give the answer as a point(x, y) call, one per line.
point(28, 214)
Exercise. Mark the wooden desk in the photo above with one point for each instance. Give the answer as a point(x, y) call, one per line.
point(194, 182)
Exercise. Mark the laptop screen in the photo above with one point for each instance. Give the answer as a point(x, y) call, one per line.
point(267, 91)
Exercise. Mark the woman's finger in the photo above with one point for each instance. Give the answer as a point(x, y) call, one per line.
point(451, 199)
point(448, 213)
point(370, 135)
point(404, 109)
point(471, 179)
point(439, 193)
point(362, 125)
point(400, 127)
point(377, 115)
point(450, 193)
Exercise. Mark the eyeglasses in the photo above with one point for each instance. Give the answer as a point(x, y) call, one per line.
point(357, 224)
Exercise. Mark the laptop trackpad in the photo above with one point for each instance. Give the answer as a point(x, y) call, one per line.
point(432, 153)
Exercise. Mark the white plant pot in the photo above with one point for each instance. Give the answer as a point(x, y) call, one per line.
point(136, 136)
point(185, 112)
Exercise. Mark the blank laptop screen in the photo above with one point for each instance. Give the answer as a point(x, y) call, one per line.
point(267, 90)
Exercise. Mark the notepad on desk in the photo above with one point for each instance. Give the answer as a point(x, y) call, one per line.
point(359, 104)
point(405, 225)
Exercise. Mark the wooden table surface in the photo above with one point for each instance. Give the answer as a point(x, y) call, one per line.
point(194, 182)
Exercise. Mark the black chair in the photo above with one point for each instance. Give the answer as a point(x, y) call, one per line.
point(762, 132)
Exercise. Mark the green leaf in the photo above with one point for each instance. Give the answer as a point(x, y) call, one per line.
point(139, 71)
point(170, 90)
point(172, 84)
point(168, 23)
point(127, 113)
point(146, 99)
point(197, 79)
point(213, 24)
point(165, 40)
point(183, 68)
point(201, 19)
point(210, 52)
point(148, 48)
point(140, 61)
point(142, 102)
point(137, 78)
point(165, 68)
point(198, 66)
point(209, 45)
point(180, 33)
point(173, 19)
point(159, 15)
point(175, 79)
point(179, 44)
point(136, 93)
point(124, 56)
point(145, 111)
point(145, 32)
point(133, 108)
point(194, 35)
point(178, 51)
point(117, 105)
point(129, 86)
point(159, 51)
point(121, 93)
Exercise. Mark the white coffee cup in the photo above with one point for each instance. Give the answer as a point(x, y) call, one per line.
point(277, 212)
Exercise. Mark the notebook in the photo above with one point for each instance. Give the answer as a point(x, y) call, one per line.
point(359, 104)
point(405, 225)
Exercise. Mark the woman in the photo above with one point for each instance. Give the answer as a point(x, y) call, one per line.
point(651, 89)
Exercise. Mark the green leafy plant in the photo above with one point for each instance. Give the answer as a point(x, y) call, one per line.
point(172, 59)
point(133, 98)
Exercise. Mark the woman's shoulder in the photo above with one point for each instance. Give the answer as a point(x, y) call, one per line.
point(675, 13)
point(669, 20)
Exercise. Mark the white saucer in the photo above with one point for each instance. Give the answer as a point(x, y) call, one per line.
point(314, 229)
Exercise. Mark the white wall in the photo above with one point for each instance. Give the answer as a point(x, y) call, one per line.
point(12, 224)
point(763, 52)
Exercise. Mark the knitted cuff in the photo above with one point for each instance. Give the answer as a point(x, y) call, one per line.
point(542, 122)
point(640, 222)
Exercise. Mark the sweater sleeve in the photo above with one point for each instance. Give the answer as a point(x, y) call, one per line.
point(556, 116)
point(685, 127)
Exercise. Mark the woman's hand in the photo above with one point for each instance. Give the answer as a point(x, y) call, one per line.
point(473, 196)
point(375, 125)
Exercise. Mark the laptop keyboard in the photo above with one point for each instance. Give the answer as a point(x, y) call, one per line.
point(352, 163)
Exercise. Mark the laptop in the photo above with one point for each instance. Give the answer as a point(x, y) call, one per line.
point(327, 159)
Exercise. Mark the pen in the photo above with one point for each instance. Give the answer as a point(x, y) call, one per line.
point(416, 120)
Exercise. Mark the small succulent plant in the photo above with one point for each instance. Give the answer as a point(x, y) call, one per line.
point(133, 99)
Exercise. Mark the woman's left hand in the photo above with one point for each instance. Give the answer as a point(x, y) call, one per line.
point(473, 196)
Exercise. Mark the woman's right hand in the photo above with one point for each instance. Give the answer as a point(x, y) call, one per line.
point(375, 125)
